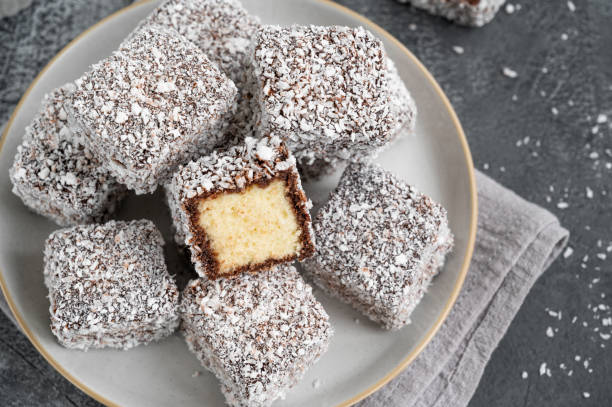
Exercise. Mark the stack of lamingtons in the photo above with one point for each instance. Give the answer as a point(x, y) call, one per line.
point(226, 115)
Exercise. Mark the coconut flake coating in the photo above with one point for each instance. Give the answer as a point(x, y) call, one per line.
point(322, 89)
point(474, 13)
point(55, 175)
point(257, 333)
point(255, 161)
point(109, 286)
point(379, 244)
point(152, 105)
point(403, 110)
point(223, 30)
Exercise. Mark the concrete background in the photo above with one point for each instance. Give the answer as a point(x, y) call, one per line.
point(543, 133)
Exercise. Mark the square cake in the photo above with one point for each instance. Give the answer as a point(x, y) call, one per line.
point(223, 30)
point(109, 286)
point(403, 110)
point(324, 90)
point(257, 333)
point(55, 175)
point(154, 104)
point(474, 13)
point(242, 209)
point(379, 244)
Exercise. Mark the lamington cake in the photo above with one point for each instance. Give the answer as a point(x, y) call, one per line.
point(223, 30)
point(109, 286)
point(55, 175)
point(402, 105)
point(379, 244)
point(154, 104)
point(242, 209)
point(257, 333)
point(325, 90)
point(474, 13)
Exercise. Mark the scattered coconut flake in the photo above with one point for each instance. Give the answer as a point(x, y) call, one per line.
point(589, 192)
point(586, 395)
point(458, 50)
point(549, 332)
point(568, 252)
point(571, 6)
point(543, 369)
point(524, 375)
point(562, 205)
point(510, 8)
point(510, 73)
point(602, 118)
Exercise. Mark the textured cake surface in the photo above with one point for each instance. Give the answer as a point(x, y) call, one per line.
point(152, 105)
point(257, 333)
point(467, 12)
point(403, 110)
point(109, 286)
point(330, 92)
point(322, 88)
point(251, 198)
point(223, 30)
point(379, 244)
point(55, 175)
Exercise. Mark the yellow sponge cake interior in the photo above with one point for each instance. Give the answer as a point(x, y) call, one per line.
point(250, 226)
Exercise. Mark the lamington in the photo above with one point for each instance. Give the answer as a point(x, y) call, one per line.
point(325, 90)
point(242, 209)
point(257, 333)
point(404, 112)
point(154, 104)
point(379, 244)
point(55, 175)
point(475, 13)
point(223, 30)
point(109, 286)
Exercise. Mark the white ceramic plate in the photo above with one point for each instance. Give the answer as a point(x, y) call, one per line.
point(361, 357)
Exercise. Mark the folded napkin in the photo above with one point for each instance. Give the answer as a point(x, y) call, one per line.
point(515, 242)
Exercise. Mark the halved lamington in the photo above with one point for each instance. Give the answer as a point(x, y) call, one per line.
point(325, 90)
point(154, 104)
point(474, 13)
point(242, 209)
point(223, 30)
point(109, 286)
point(379, 244)
point(257, 333)
point(55, 175)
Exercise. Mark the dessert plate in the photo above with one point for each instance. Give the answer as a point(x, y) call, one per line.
point(361, 358)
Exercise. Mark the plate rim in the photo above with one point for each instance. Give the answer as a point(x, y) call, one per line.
point(460, 278)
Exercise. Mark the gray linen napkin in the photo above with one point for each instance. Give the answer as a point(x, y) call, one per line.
point(516, 241)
